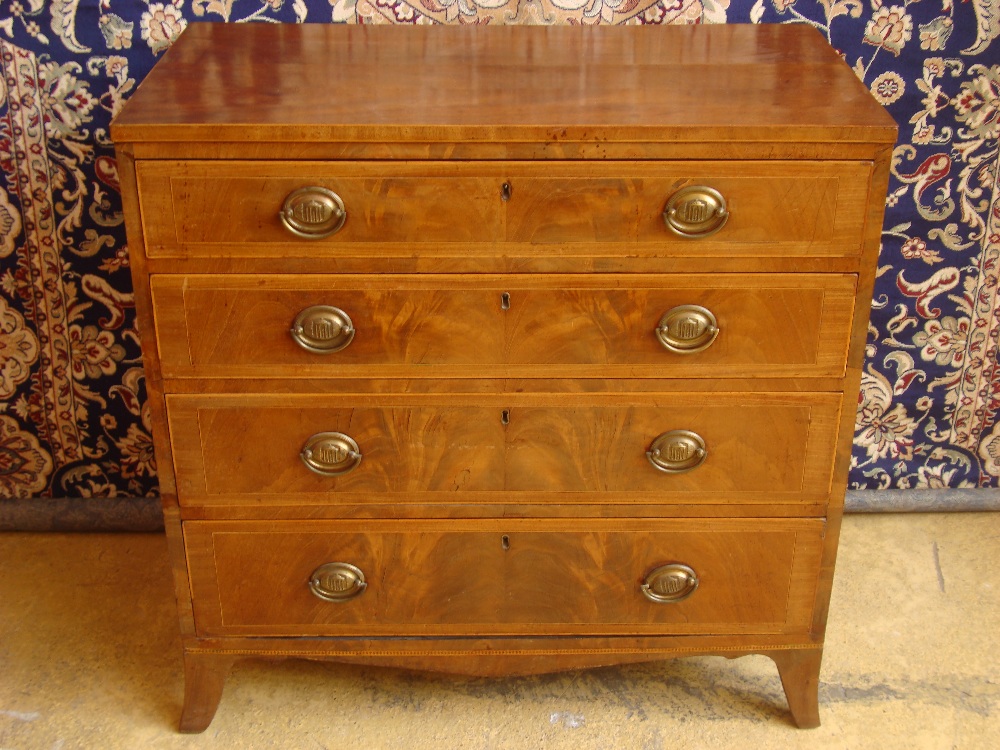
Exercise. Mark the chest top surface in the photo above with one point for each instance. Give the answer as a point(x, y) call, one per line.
point(317, 82)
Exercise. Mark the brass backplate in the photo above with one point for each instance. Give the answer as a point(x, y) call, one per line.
point(677, 451)
point(337, 582)
point(313, 212)
point(331, 453)
point(696, 211)
point(687, 329)
point(322, 329)
point(670, 583)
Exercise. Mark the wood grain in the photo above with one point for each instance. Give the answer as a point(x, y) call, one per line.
point(500, 656)
point(238, 326)
point(500, 84)
point(466, 385)
point(592, 129)
point(777, 208)
point(761, 447)
point(204, 678)
point(457, 578)
point(799, 671)
point(347, 150)
point(374, 259)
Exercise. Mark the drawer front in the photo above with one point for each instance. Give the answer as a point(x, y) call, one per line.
point(462, 209)
point(502, 577)
point(510, 448)
point(556, 325)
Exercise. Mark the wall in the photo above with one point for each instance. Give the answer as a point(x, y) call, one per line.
point(73, 424)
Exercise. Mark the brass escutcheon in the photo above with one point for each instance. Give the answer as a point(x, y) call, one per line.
point(337, 582)
point(330, 453)
point(677, 451)
point(696, 211)
point(313, 212)
point(669, 583)
point(322, 329)
point(687, 329)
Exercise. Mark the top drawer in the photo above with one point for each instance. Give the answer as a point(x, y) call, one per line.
point(231, 208)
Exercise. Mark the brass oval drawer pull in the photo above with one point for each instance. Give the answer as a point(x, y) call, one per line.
point(677, 451)
point(696, 211)
point(322, 329)
point(687, 329)
point(313, 212)
point(337, 582)
point(331, 453)
point(670, 583)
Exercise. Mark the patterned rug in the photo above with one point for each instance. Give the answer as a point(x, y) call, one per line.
point(73, 423)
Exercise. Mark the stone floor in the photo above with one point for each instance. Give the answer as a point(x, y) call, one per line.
point(90, 658)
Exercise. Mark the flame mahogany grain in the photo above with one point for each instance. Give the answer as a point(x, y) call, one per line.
point(505, 263)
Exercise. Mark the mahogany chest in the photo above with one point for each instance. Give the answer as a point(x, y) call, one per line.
point(502, 350)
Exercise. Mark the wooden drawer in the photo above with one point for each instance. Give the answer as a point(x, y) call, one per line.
point(554, 325)
point(503, 448)
point(502, 577)
point(205, 209)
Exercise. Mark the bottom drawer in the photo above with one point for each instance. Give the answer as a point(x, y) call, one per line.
point(503, 577)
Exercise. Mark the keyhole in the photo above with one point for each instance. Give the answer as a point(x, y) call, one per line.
point(505, 542)
point(505, 416)
point(505, 192)
point(505, 301)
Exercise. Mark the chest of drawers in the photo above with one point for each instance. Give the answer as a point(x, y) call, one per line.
point(502, 350)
